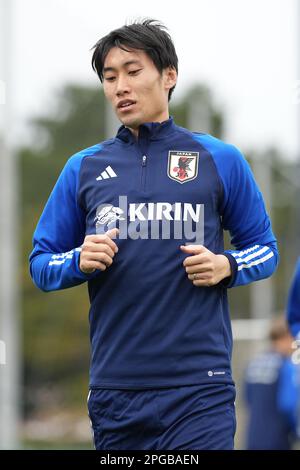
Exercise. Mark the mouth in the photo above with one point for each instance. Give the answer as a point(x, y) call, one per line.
point(125, 105)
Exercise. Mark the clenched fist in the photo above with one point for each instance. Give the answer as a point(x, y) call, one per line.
point(203, 267)
point(98, 251)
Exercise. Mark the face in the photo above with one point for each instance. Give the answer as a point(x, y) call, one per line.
point(135, 88)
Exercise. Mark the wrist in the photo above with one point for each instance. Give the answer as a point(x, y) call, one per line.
point(225, 266)
point(81, 269)
point(89, 271)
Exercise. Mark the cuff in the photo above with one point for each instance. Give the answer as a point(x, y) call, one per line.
point(229, 281)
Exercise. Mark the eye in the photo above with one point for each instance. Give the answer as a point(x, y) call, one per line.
point(134, 72)
point(109, 79)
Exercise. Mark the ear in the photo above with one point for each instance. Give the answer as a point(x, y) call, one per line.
point(170, 77)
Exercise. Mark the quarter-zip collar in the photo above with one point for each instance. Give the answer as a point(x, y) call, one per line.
point(147, 131)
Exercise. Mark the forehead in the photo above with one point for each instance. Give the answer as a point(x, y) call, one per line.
point(117, 58)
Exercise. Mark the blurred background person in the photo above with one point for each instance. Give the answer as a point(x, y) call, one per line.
point(293, 308)
point(293, 318)
point(272, 393)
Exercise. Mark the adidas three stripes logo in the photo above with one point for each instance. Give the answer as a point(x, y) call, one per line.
point(107, 173)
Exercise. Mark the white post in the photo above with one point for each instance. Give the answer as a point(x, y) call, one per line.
point(199, 113)
point(298, 73)
point(261, 292)
point(9, 295)
point(112, 123)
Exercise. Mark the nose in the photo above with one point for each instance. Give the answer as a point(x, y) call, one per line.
point(122, 85)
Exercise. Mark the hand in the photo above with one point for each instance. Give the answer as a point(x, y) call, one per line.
point(97, 251)
point(203, 267)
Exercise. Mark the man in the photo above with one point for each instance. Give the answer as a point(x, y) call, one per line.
point(271, 393)
point(293, 318)
point(141, 218)
point(293, 308)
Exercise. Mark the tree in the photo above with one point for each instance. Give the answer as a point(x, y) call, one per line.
point(56, 345)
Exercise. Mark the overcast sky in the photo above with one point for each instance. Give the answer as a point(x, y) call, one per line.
point(244, 50)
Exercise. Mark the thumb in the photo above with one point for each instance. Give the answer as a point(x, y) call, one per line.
point(193, 249)
point(112, 233)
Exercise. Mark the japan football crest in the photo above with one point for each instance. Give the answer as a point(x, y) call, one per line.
point(183, 166)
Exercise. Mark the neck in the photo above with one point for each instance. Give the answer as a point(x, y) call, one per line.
point(163, 117)
point(135, 132)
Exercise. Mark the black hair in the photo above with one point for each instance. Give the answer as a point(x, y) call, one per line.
point(147, 35)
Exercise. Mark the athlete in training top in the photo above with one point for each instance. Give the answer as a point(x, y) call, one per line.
point(141, 218)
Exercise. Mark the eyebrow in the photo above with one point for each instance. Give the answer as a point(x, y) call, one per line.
point(126, 64)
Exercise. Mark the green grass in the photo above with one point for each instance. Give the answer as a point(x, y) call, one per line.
point(49, 445)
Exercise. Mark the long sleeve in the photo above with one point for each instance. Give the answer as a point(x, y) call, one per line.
point(54, 261)
point(243, 213)
point(293, 306)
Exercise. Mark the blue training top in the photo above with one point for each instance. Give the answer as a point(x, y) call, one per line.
point(150, 327)
point(271, 393)
point(293, 307)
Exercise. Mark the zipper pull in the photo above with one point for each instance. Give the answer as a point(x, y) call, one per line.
point(144, 160)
